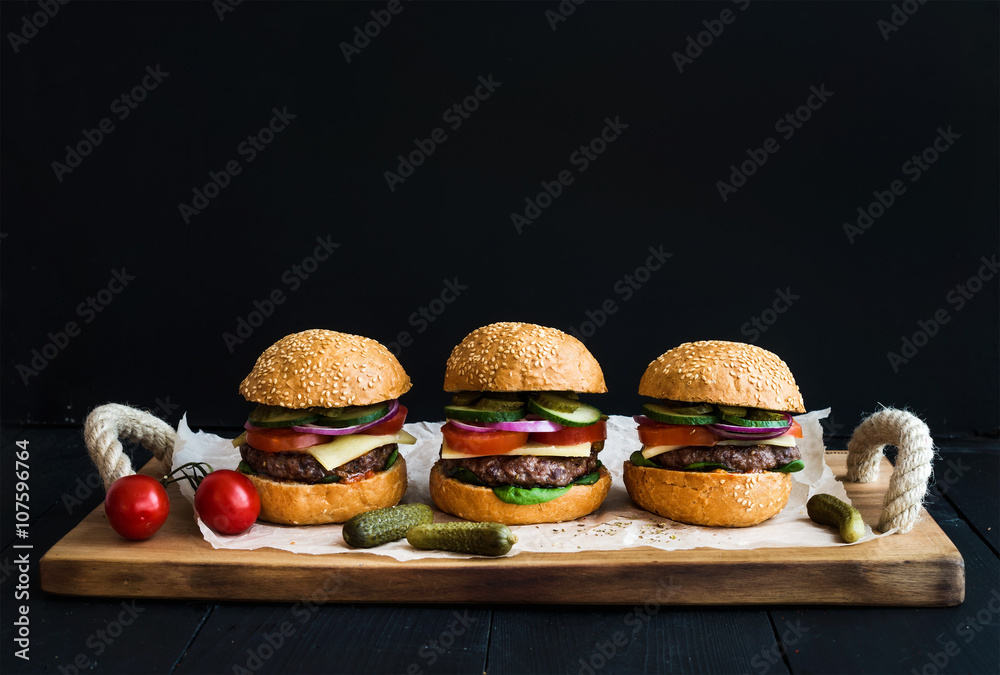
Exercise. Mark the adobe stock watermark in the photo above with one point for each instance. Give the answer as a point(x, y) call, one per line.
point(302, 612)
point(381, 18)
point(428, 314)
point(122, 107)
point(430, 652)
point(564, 10)
point(625, 288)
point(758, 325)
point(292, 278)
point(946, 478)
point(913, 168)
point(454, 116)
point(635, 621)
point(34, 22)
point(830, 426)
point(786, 125)
point(898, 17)
point(696, 44)
point(249, 149)
point(968, 630)
point(223, 7)
point(99, 641)
point(581, 159)
point(87, 310)
point(958, 297)
point(768, 656)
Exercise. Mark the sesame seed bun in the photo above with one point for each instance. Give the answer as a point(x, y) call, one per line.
point(326, 369)
point(474, 502)
point(714, 499)
point(291, 503)
point(730, 373)
point(522, 357)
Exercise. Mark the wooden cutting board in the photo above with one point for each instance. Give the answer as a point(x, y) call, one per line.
point(919, 568)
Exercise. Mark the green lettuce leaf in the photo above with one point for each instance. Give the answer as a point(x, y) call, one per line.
point(791, 467)
point(392, 459)
point(465, 476)
point(706, 466)
point(524, 496)
point(639, 460)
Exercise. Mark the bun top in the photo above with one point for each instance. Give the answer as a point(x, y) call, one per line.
point(326, 369)
point(522, 357)
point(730, 373)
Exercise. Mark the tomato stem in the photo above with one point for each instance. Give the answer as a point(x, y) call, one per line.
point(197, 474)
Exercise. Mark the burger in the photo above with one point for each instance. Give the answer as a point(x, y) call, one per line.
point(518, 445)
point(322, 443)
point(718, 443)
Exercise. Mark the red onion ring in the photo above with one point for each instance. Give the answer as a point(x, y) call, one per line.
point(344, 431)
point(738, 433)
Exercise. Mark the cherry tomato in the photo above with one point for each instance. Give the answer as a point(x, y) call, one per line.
point(675, 434)
point(136, 506)
point(227, 501)
point(598, 431)
point(283, 439)
point(389, 425)
point(483, 442)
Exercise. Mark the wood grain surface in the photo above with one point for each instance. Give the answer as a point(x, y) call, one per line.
point(920, 568)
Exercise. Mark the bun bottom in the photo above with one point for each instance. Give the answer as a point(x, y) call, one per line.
point(712, 499)
point(478, 503)
point(290, 503)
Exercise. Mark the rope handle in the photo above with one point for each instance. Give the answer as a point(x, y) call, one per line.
point(107, 423)
point(908, 485)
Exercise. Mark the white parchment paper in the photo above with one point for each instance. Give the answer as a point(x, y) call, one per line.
point(617, 524)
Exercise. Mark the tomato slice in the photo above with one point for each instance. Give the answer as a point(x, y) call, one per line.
point(283, 439)
point(598, 431)
point(796, 430)
point(675, 434)
point(389, 425)
point(482, 442)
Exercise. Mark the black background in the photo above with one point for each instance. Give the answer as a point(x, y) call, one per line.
point(159, 344)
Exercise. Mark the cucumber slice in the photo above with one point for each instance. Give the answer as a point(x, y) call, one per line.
point(563, 410)
point(765, 416)
point(353, 415)
point(732, 410)
point(465, 397)
point(743, 422)
point(464, 413)
point(272, 416)
point(688, 409)
point(498, 404)
point(661, 413)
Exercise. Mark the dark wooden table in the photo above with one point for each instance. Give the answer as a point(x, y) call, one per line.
point(70, 635)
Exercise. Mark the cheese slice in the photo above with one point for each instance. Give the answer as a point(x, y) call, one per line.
point(343, 449)
point(530, 448)
point(654, 450)
point(786, 441)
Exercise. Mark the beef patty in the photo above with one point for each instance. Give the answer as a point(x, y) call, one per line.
point(747, 458)
point(527, 470)
point(303, 467)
